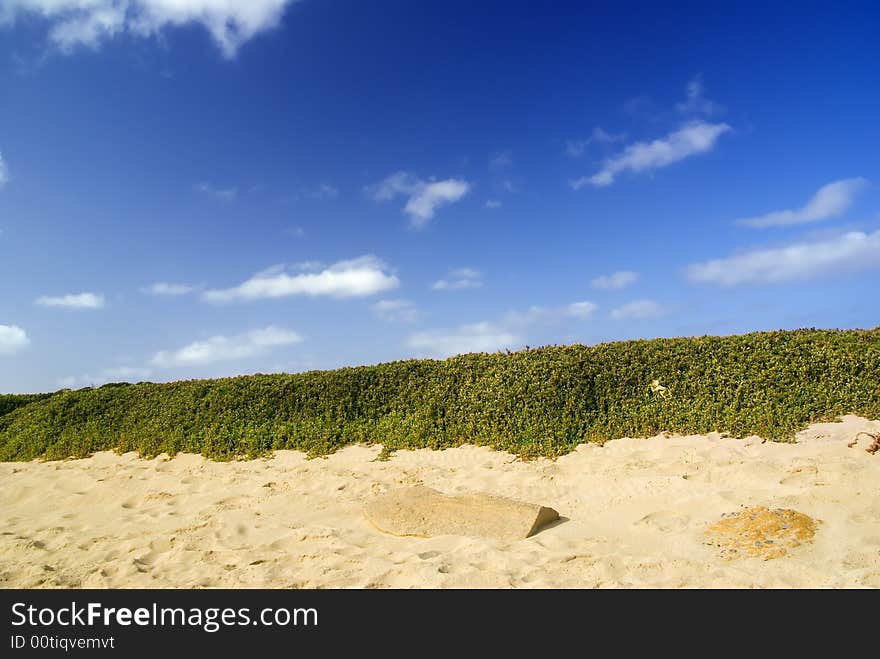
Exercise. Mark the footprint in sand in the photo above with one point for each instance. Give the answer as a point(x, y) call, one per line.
point(801, 476)
point(862, 560)
point(667, 521)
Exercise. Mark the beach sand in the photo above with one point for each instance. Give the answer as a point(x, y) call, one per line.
point(634, 514)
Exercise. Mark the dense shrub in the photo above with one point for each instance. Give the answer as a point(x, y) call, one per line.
point(533, 402)
point(9, 402)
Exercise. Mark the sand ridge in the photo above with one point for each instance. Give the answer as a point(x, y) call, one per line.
point(634, 513)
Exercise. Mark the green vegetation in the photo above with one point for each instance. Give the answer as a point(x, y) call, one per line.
point(534, 402)
point(9, 402)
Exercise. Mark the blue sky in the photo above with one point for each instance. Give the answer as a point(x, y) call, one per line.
point(200, 188)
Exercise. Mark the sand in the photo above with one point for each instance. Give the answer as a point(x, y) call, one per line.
point(634, 514)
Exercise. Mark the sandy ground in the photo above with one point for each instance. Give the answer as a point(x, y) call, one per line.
point(634, 514)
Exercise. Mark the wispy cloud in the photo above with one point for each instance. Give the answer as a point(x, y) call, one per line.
point(615, 280)
point(89, 23)
point(493, 203)
point(396, 311)
point(850, 252)
point(126, 372)
point(696, 101)
point(504, 185)
point(166, 289)
point(580, 309)
point(222, 348)
point(13, 339)
point(459, 279)
point(639, 310)
point(475, 337)
point(508, 333)
point(325, 191)
point(72, 301)
point(366, 275)
point(423, 198)
point(115, 374)
point(539, 314)
point(4, 172)
point(691, 139)
point(577, 148)
point(223, 194)
point(501, 160)
point(829, 201)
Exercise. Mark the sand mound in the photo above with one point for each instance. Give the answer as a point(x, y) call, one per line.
point(761, 532)
point(423, 512)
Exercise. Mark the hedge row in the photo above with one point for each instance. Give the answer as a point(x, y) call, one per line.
point(535, 402)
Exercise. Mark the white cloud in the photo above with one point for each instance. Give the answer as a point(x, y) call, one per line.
point(396, 311)
point(423, 197)
point(223, 194)
point(164, 288)
point(459, 279)
point(12, 339)
point(4, 172)
point(580, 309)
point(74, 23)
point(476, 337)
point(72, 301)
point(691, 139)
point(222, 348)
point(846, 253)
point(615, 280)
point(493, 203)
point(358, 277)
point(577, 148)
point(639, 310)
point(696, 102)
point(830, 200)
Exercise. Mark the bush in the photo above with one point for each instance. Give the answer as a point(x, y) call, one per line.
point(9, 402)
point(540, 402)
